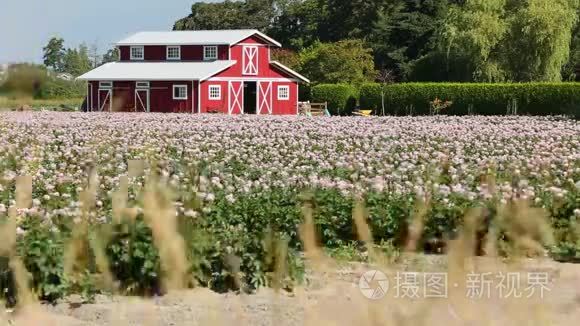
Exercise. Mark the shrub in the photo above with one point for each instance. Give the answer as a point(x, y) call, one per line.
point(55, 88)
point(341, 98)
point(33, 81)
point(474, 98)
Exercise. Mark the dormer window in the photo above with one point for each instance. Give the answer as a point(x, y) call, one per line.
point(210, 53)
point(137, 53)
point(174, 52)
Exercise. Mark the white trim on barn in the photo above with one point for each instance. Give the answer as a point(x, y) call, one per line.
point(215, 87)
point(250, 60)
point(198, 96)
point(283, 90)
point(180, 97)
point(168, 49)
point(132, 55)
point(290, 71)
point(206, 57)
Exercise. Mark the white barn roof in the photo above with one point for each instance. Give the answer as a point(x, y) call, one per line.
point(147, 71)
point(216, 37)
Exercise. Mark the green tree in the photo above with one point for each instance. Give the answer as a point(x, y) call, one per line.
point(475, 32)
point(571, 70)
point(299, 23)
point(255, 14)
point(288, 58)
point(76, 61)
point(347, 61)
point(111, 56)
point(54, 54)
point(404, 33)
point(539, 39)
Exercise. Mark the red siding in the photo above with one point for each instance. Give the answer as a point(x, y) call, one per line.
point(221, 105)
point(162, 97)
point(155, 53)
point(289, 106)
point(125, 53)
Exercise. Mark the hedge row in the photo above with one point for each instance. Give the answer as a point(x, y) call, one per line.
point(341, 98)
point(467, 98)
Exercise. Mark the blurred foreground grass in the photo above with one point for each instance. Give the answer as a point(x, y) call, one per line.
point(9, 102)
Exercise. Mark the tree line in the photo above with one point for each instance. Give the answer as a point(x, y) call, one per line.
point(415, 40)
point(74, 61)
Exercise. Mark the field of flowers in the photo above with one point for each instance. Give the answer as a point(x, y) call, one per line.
point(235, 180)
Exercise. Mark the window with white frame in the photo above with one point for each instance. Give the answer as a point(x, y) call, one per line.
point(180, 92)
point(215, 92)
point(283, 93)
point(142, 85)
point(174, 52)
point(210, 53)
point(106, 84)
point(137, 53)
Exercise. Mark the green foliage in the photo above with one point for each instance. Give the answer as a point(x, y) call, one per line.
point(227, 15)
point(56, 88)
point(475, 31)
point(76, 61)
point(485, 99)
point(34, 81)
point(421, 40)
point(24, 80)
point(133, 257)
point(42, 249)
point(288, 58)
point(346, 61)
point(341, 98)
point(72, 61)
point(111, 56)
point(54, 54)
point(540, 37)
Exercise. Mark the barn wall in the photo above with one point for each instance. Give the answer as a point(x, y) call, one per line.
point(188, 53)
point(221, 105)
point(124, 53)
point(265, 70)
point(162, 97)
point(285, 107)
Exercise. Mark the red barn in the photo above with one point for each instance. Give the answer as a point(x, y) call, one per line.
point(227, 71)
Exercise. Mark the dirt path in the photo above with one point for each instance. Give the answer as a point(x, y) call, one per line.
point(335, 300)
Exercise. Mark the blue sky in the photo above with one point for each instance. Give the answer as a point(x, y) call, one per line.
point(26, 25)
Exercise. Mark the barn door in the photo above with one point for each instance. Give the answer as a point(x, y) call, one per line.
point(264, 98)
point(142, 100)
point(250, 60)
point(105, 99)
point(236, 97)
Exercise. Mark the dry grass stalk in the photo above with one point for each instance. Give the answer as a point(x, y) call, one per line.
point(23, 194)
point(161, 217)
point(417, 224)
point(308, 235)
